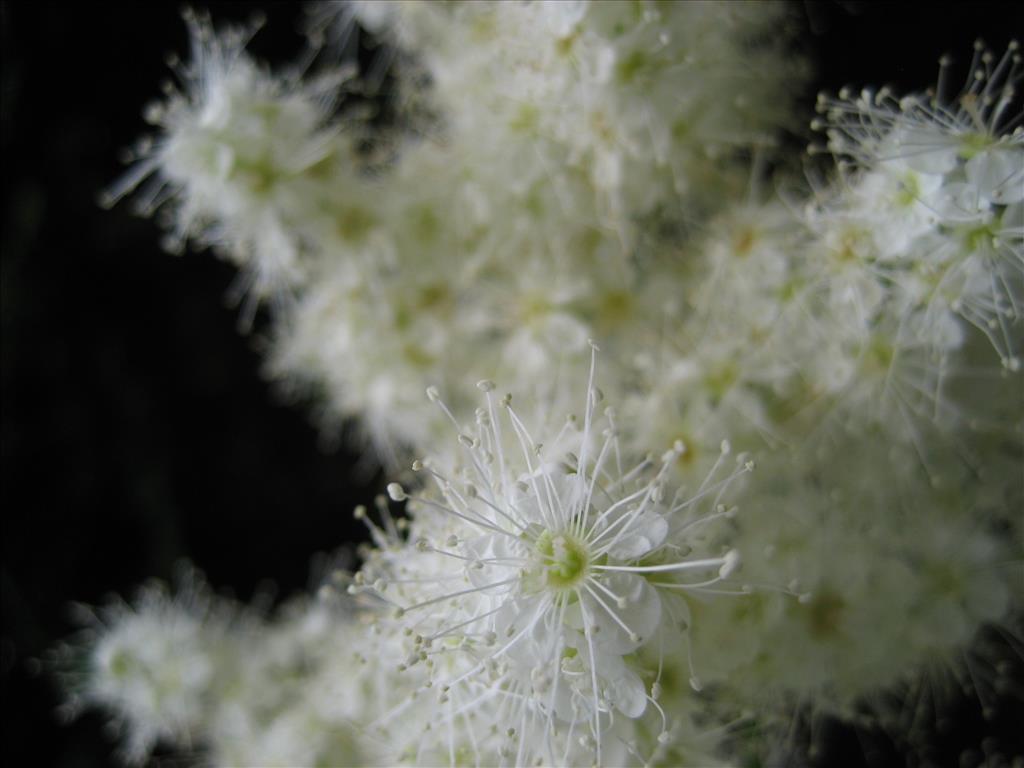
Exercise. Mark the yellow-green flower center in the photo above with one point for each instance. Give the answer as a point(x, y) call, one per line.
point(564, 559)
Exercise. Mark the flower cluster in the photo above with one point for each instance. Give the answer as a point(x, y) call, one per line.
point(549, 173)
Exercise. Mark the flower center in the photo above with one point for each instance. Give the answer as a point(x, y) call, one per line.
point(564, 559)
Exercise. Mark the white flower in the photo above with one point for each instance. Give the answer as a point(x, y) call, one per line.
point(933, 134)
point(245, 162)
point(153, 664)
point(545, 568)
point(959, 165)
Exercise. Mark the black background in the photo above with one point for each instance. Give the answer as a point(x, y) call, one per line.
point(136, 428)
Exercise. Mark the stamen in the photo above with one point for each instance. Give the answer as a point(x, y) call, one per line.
point(633, 636)
point(690, 565)
point(402, 611)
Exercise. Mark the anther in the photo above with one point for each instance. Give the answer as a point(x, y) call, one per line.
point(732, 562)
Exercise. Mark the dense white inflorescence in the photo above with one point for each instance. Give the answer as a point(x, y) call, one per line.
point(554, 594)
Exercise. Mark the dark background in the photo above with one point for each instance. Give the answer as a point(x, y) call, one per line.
point(136, 428)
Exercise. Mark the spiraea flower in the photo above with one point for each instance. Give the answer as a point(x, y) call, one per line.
point(245, 161)
point(151, 663)
point(954, 168)
point(548, 567)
